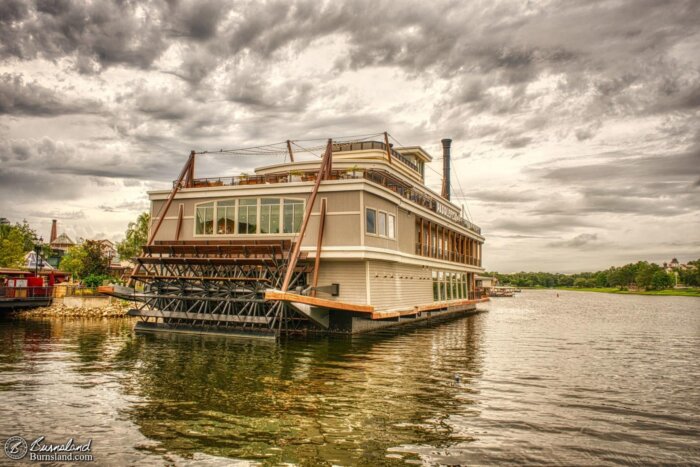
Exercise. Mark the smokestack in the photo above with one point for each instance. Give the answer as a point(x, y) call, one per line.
point(54, 232)
point(446, 143)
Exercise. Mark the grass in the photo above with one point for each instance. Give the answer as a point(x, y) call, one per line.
point(690, 292)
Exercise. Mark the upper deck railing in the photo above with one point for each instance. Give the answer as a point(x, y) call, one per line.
point(368, 145)
point(379, 177)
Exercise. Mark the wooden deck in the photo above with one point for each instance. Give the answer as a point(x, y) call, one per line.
point(369, 309)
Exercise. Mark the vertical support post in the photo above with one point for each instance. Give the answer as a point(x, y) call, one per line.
point(289, 148)
point(319, 241)
point(430, 239)
point(307, 214)
point(388, 148)
point(422, 239)
point(180, 214)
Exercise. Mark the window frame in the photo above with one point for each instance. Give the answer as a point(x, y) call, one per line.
point(258, 214)
point(391, 221)
point(367, 211)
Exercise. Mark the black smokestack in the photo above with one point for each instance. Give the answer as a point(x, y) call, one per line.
point(446, 143)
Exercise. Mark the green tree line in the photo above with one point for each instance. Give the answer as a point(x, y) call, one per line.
point(642, 274)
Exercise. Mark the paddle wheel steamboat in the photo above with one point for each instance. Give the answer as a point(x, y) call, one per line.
point(349, 242)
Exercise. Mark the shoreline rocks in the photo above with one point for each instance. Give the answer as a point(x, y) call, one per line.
point(117, 309)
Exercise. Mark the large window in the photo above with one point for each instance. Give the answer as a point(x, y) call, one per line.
point(226, 217)
point(270, 215)
point(391, 226)
point(293, 215)
point(381, 223)
point(436, 287)
point(449, 285)
point(204, 223)
point(248, 216)
point(371, 220)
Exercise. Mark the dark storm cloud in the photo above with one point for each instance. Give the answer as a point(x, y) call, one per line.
point(541, 225)
point(579, 241)
point(20, 98)
point(658, 185)
point(69, 161)
point(505, 195)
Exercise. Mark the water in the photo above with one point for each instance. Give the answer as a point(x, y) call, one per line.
point(582, 378)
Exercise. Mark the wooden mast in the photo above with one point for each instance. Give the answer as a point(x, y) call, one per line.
point(388, 148)
point(294, 256)
point(289, 148)
point(187, 170)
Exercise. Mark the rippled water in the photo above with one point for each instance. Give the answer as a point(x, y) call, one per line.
point(582, 378)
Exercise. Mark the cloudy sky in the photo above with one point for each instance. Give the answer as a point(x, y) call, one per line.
point(575, 123)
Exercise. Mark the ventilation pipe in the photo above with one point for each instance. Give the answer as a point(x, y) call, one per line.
point(446, 143)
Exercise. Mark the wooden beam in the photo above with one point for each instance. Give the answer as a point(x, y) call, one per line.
point(321, 302)
point(388, 148)
point(164, 210)
point(180, 214)
point(294, 256)
point(289, 148)
point(319, 241)
point(187, 171)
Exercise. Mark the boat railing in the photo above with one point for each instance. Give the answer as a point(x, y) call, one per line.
point(439, 253)
point(29, 293)
point(379, 177)
point(47, 291)
point(368, 145)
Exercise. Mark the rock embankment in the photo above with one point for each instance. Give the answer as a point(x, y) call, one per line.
point(116, 309)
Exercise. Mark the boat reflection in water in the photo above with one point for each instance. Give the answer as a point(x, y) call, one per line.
point(344, 401)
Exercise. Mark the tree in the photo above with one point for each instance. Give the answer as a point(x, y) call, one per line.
point(86, 259)
point(11, 250)
point(661, 280)
point(15, 241)
point(136, 237)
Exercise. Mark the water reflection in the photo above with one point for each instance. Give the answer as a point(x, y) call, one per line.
point(576, 379)
point(341, 401)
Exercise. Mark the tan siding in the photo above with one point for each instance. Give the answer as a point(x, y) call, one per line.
point(406, 232)
point(374, 202)
point(351, 275)
point(348, 201)
point(398, 285)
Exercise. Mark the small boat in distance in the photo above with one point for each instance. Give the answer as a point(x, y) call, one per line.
point(351, 242)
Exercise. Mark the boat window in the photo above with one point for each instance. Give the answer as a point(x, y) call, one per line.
point(381, 223)
point(226, 217)
point(293, 215)
point(270, 216)
point(247, 216)
point(205, 219)
point(391, 226)
point(371, 221)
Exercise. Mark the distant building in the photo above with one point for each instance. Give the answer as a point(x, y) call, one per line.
point(59, 244)
point(484, 284)
point(30, 262)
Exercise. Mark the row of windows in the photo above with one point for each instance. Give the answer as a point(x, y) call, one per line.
point(380, 223)
point(449, 285)
point(249, 216)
